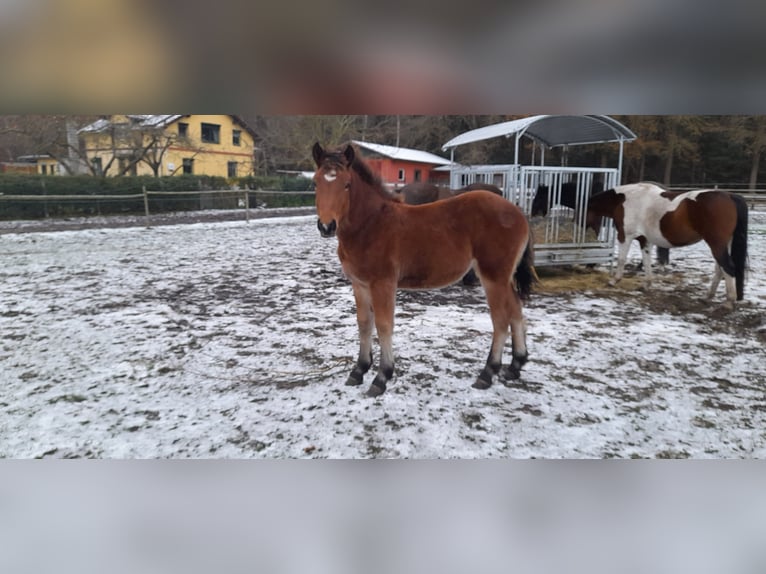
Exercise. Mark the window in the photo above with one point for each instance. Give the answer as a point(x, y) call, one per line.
point(183, 130)
point(401, 175)
point(236, 137)
point(44, 169)
point(188, 165)
point(417, 175)
point(97, 166)
point(211, 133)
point(232, 168)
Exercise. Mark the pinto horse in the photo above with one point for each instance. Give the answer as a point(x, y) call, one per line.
point(655, 216)
point(385, 244)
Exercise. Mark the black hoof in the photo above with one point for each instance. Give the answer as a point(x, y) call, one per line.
point(375, 390)
point(511, 373)
point(354, 379)
point(481, 384)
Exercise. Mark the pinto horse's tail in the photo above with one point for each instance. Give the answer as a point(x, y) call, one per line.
point(739, 244)
point(525, 276)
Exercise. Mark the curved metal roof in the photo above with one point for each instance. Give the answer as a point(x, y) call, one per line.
point(551, 131)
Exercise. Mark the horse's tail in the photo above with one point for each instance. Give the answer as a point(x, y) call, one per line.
point(739, 244)
point(525, 275)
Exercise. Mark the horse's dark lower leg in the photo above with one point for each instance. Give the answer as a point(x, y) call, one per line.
point(513, 371)
point(518, 338)
point(491, 368)
point(363, 364)
point(470, 279)
point(364, 319)
point(499, 308)
point(386, 367)
point(383, 299)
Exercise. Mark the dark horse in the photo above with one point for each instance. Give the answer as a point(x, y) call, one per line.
point(385, 244)
point(419, 193)
point(655, 216)
point(541, 201)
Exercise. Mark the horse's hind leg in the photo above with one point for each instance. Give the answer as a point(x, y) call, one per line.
point(518, 338)
point(364, 319)
point(717, 276)
point(498, 300)
point(724, 268)
point(646, 258)
point(729, 281)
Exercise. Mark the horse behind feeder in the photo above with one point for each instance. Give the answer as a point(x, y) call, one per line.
point(541, 203)
point(385, 244)
point(421, 193)
point(655, 216)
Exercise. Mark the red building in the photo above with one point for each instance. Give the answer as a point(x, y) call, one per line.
point(398, 166)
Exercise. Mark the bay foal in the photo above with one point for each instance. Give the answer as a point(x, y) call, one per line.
point(384, 244)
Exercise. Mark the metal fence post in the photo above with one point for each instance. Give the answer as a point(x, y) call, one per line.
point(247, 206)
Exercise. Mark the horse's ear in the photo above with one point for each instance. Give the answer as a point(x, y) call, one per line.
point(349, 154)
point(317, 152)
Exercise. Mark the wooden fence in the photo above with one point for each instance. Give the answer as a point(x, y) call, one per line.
point(241, 197)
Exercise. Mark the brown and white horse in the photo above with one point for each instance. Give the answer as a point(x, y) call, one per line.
point(385, 244)
point(655, 216)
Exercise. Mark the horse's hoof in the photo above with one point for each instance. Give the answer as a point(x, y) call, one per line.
point(511, 373)
point(375, 391)
point(481, 384)
point(354, 380)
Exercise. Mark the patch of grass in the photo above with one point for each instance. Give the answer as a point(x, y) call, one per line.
point(556, 280)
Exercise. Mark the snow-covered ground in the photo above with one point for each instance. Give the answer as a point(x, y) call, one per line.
point(234, 339)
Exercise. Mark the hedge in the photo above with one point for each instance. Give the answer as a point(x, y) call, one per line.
point(23, 184)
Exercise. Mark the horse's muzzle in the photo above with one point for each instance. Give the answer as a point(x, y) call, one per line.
point(327, 230)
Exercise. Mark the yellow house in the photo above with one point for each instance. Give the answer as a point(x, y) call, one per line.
point(221, 145)
point(42, 164)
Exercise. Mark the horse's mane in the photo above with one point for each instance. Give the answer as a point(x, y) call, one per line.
point(360, 167)
point(369, 177)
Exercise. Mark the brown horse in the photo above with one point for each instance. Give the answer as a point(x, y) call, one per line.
point(655, 216)
point(385, 244)
point(420, 193)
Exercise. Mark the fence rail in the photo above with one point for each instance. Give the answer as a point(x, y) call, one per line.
point(202, 200)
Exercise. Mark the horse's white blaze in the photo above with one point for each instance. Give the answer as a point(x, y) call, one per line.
point(331, 175)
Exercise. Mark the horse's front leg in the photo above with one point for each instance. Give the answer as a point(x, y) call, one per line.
point(364, 319)
point(383, 301)
point(622, 257)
